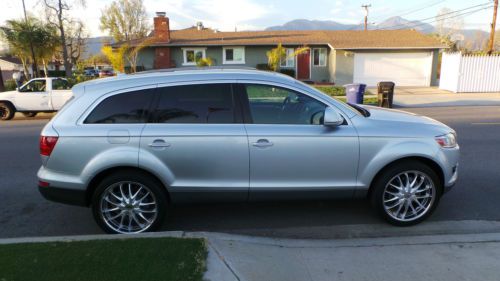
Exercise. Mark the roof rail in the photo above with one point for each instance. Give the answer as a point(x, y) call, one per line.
point(191, 68)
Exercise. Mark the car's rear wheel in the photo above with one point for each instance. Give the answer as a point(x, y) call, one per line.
point(129, 202)
point(406, 193)
point(30, 114)
point(6, 111)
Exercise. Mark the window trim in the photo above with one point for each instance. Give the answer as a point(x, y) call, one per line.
point(184, 55)
point(95, 103)
point(248, 117)
point(319, 61)
point(224, 61)
point(294, 58)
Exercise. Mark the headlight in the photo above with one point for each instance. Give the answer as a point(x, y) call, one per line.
point(447, 141)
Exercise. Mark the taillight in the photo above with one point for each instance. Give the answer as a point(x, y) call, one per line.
point(47, 144)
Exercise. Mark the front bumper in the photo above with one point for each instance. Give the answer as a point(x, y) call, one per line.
point(64, 195)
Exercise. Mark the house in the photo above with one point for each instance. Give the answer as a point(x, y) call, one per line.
point(406, 57)
point(9, 65)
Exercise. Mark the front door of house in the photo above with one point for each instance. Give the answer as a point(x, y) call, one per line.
point(304, 65)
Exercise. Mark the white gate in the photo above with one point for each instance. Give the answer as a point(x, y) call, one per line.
point(470, 73)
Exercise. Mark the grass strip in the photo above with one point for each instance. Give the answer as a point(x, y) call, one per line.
point(121, 259)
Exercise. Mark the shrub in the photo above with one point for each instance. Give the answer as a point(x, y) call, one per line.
point(10, 85)
point(262, 66)
point(289, 72)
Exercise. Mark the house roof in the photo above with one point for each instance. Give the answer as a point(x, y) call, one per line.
point(12, 60)
point(338, 39)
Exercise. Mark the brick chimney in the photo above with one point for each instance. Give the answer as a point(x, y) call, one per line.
point(161, 27)
point(162, 35)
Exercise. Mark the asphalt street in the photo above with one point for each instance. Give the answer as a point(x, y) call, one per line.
point(24, 213)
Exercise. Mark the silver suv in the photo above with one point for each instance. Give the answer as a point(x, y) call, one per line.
point(129, 146)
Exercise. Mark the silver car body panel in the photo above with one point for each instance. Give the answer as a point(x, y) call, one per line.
point(222, 158)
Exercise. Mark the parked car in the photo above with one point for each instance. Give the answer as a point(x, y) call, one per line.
point(106, 73)
point(37, 95)
point(91, 72)
point(131, 145)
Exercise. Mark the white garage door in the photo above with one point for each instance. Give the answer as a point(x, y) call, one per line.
point(404, 69)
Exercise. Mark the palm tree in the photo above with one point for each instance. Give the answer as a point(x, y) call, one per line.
point(278, 54)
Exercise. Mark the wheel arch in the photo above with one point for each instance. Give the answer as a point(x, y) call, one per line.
point(9, 103)
point(94, 182)
point(424, 160)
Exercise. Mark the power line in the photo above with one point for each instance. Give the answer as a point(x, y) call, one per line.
point(410, 10)
point(454, 16)
point(436, 17)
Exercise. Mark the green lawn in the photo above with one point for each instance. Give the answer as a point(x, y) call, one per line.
point(124, 259)
point(338, 92)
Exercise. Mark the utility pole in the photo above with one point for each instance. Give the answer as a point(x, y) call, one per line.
point(366, 14)
point(493, 26)
point(33, 58)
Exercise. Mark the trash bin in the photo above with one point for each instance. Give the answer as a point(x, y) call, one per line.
point(355, 92)
point(385, 94)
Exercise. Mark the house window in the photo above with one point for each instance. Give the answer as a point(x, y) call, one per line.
point(289, 61)
point(233, 55)
point(191, 56)
point(319, 57)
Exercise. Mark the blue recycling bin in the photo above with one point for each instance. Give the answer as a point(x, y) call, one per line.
point(355, 92)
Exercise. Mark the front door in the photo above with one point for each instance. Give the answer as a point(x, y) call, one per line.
point(291, 152)
point(33, 96)
point(198, 135)
point(304, 65)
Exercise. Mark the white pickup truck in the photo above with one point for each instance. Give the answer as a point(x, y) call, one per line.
point(37, 95)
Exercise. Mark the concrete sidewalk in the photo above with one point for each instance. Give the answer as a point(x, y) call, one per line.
point(472, 253)
point(435, 97)
point(442, 257)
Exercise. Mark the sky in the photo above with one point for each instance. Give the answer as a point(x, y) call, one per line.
point(226, 15)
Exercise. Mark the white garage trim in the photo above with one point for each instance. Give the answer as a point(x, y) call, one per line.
point(404, 69)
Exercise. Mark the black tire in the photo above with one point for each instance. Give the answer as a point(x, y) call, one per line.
point(30, 114)
point(7, 111)
point(378, 194)
point(148, 182)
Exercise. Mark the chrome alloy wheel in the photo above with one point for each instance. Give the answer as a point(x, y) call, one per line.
point(408, 196)
point(128, 207)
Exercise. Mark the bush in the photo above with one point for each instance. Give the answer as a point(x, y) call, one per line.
point(289, 72)
point(10, 85)
point(79, 79)
point(262, 66)
point(56, 73)
point(332, 90)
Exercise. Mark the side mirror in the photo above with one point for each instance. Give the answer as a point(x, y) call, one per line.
point(332, 117)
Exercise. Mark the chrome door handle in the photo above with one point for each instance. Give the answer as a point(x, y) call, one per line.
point(158, 144)
point(262, 143)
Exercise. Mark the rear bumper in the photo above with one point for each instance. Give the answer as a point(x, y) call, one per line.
point(64, 195)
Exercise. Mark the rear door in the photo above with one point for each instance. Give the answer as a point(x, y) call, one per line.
point(60, 94)
point(291, 152)
point(196, 132)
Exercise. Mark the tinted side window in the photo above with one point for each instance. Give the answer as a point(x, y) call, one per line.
point(275, 105)
point(125, 108)
point(203, 103)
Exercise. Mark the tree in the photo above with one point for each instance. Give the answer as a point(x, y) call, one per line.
point(448, 23)
point(56, 11)
point(132, 53)
point(21, 34)
point(278, 54)
point(125, 20)
point(116, 56)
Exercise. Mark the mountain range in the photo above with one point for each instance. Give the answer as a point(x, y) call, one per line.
point(473, 38)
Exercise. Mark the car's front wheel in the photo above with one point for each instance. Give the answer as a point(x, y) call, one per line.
point(406, 193)
point(129, 202)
